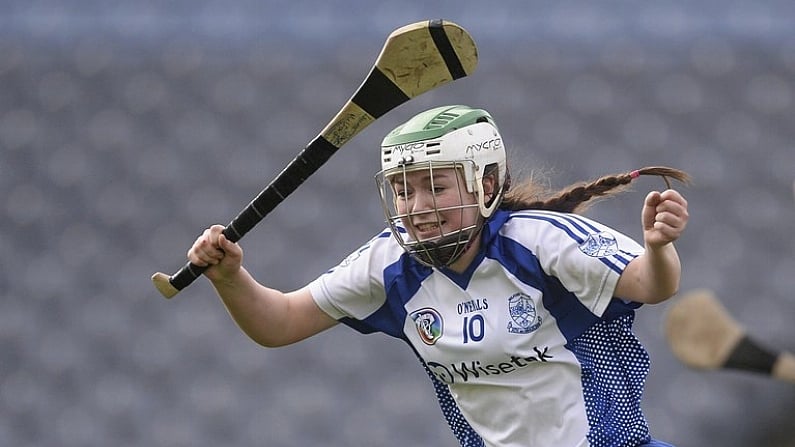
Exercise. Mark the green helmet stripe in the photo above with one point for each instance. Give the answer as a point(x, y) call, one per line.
point(435, 123)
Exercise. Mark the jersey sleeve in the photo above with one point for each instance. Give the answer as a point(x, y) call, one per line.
point(586, 256)
point(354, 288)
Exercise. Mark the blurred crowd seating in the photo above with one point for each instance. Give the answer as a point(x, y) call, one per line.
point(125, 130)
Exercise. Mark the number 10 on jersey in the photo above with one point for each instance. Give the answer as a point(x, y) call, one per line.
point(474, 328)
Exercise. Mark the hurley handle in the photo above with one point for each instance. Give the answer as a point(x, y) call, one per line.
point(304, 165)
point(416, 58)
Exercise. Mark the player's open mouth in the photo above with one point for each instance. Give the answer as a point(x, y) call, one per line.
point(427, 227)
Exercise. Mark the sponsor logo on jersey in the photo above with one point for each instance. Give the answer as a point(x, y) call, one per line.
point(471, 370)
point(600, 245)
point(429, 324)
point(524, 318)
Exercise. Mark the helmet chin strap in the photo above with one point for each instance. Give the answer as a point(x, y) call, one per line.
point(445, 251)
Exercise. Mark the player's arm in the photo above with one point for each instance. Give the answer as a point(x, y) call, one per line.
point(654, 276)
point(268, 316)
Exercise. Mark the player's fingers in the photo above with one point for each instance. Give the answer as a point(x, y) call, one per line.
point(660, 234)
point(214, 233)
point(665, 217)
point(673, 211)
point(230, 249)
point(667, 227)
point(665, 220)
point(674, 196)
point(205, 250)
point(650, 209)
point(653, 198)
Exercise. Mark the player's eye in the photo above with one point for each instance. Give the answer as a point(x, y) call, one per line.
point(402, 193)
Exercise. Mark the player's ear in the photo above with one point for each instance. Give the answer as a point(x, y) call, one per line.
point(489, 184)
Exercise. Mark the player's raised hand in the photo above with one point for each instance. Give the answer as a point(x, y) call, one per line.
point(213, 250)
point(664, 217)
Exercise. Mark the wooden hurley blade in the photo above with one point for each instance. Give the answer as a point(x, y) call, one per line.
point(415, 59)
point(425, 55)
point(703, 335)
point(700, 332)
point(784, 367)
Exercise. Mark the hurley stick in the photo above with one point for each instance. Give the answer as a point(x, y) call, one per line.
point(703, 335)
point(415, 59)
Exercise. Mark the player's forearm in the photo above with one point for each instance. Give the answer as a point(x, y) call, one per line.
point(661, 272)
point(652, 277)
point(259, 311)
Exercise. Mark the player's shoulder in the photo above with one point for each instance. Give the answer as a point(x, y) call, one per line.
point(537, 225)
point(379, 249)
point(545, 218)
point(529, 213)
point(384, 242)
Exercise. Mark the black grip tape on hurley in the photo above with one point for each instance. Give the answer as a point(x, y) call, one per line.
point(749, 356)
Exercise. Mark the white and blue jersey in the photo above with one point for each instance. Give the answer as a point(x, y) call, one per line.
point(528, 347)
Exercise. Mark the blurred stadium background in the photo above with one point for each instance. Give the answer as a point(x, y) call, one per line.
point(127, 127)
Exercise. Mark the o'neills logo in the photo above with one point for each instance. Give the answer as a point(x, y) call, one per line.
point(429, 324)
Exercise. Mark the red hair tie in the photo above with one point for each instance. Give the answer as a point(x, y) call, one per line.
point(634, 174)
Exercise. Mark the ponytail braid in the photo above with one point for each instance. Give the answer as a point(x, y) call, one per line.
point(575, 198)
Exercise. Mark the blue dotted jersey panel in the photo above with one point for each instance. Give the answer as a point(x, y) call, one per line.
point(614, 368)
point(464, 433)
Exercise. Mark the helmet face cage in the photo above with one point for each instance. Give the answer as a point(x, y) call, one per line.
point(458, 137)
point(446, 247)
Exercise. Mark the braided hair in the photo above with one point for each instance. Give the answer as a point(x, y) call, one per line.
point(576, 198)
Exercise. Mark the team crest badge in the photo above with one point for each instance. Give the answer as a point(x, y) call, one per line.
point(524, 318)
point(429, 324)
point(600, 245)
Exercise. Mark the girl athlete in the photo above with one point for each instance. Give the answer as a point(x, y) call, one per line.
point(519, 309)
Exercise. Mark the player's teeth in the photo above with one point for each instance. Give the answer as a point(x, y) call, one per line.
point(428, 227)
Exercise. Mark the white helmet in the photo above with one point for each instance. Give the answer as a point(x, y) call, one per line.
point(445, 137)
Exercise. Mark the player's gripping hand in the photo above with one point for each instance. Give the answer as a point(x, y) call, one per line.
point(212, 249)
point(664, 217)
